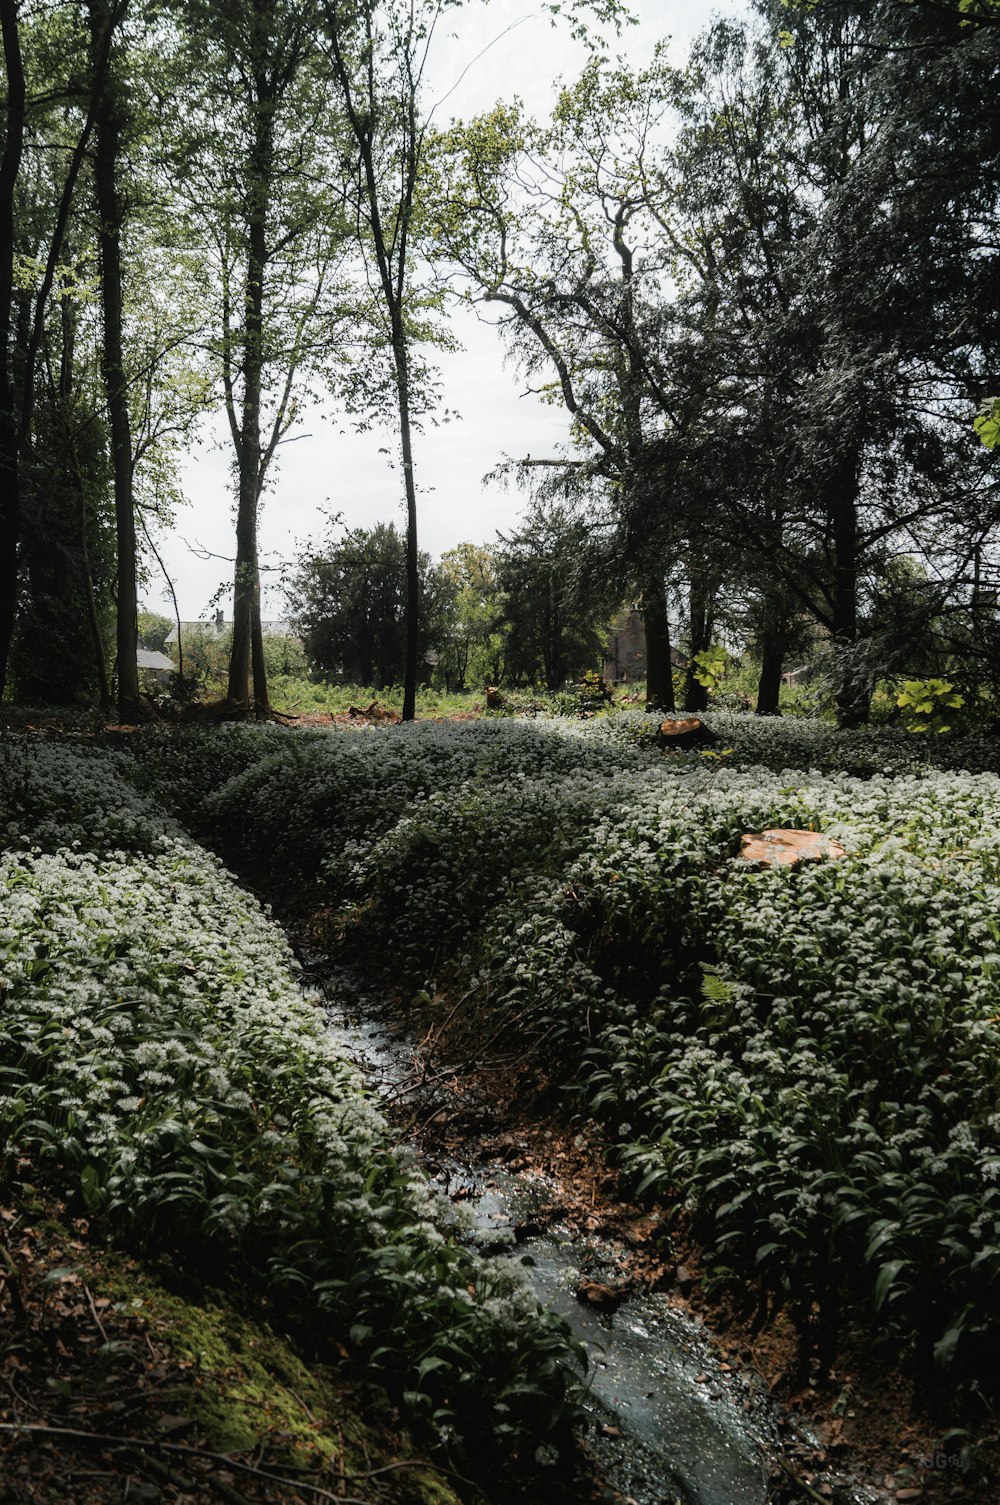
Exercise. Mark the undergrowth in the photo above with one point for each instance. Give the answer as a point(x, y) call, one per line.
point(805, 1058)
point(163, 1071)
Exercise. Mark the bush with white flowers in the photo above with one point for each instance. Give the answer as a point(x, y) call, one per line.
point(162, 1069)
point(808, 1057)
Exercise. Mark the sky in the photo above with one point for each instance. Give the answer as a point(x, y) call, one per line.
point(331, 468)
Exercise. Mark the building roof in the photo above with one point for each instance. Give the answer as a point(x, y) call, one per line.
point(145, 658)
point(272, 628)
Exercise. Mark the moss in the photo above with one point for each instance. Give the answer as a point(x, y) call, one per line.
point(246, 1388)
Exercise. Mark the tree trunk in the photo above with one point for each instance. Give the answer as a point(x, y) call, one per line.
point(769, 684)
point(247, 645)
point(700, 637)
point(853, 689)
point(261, 699)
point(552, 655)
point(68, 320)
point(659, 666)
point(110, 120)
point(10, 508)
point(412, 610)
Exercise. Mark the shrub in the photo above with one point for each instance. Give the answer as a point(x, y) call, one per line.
point(807, 1057)
point(164, 1072)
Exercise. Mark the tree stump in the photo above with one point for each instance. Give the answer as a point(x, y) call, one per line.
point(781, 848)
point(683, 733)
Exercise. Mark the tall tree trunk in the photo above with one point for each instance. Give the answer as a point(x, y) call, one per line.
point(659, 667)
point(769, 683)
point(10, 502)
point(110, 121)
point(261, 699)
point(853, 689)
point(247, 644)
point(700, 637)
point(552, 655)
point(412, 609)
point(66, 365)
point(773, 642)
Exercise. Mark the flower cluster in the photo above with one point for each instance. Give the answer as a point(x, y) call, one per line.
point(164, 1070)
point(807, 1056)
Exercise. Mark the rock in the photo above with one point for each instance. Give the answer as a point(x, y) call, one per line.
point(683, 733)
point(685, 1279)
point(781, 848)
point(603, 1298)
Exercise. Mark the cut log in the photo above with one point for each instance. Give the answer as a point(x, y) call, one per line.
point(779, 848)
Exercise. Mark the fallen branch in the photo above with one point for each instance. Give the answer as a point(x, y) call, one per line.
point(94, 1312)
point(155, 1444)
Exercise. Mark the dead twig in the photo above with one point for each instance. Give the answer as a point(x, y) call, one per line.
point(799, 1482)
point(168, 1475)
point(154, 1444)
point(94, 1312)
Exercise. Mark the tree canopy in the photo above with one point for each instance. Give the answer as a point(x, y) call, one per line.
point(761, 282)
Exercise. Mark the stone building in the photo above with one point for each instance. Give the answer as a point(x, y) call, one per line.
point(625, 649)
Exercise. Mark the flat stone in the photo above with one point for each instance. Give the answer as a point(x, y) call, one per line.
point(779, 848)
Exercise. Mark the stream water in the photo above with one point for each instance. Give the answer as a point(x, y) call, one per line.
point(668, 1424)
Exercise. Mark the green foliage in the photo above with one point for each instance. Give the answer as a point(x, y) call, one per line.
point(154, 630)
point(711, 666)
point(987, 422)
point(166, 1073)
point(470, 647)
point(806, 1057)
point(556, 601)
point(348, 601)
point(927, 703)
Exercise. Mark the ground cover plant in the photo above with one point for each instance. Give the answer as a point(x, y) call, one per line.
point(164, 1072)
point(804, 1058)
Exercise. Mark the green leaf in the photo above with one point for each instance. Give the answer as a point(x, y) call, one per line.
point(90, 1188)
point(884, 1281)
point(987, 423)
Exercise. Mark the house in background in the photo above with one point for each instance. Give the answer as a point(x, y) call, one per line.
point(153, 666)
point(216, 625)
point(625, 649)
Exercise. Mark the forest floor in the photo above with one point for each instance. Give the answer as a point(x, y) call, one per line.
point(120, 1386)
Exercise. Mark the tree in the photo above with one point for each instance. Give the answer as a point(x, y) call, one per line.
point(838, 305)
point(347, 601)
point(111, 116)
point(84, 383)
point(10, 167)
point(471, 648)
point(24, 302)
point(253, 154)
point(154, 630)
point(558, 226)
point(378, 52)
point(556, 603)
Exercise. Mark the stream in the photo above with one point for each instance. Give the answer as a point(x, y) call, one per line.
point(669, 1422)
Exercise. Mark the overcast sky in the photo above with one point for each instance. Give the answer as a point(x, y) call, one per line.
point(332, 468)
